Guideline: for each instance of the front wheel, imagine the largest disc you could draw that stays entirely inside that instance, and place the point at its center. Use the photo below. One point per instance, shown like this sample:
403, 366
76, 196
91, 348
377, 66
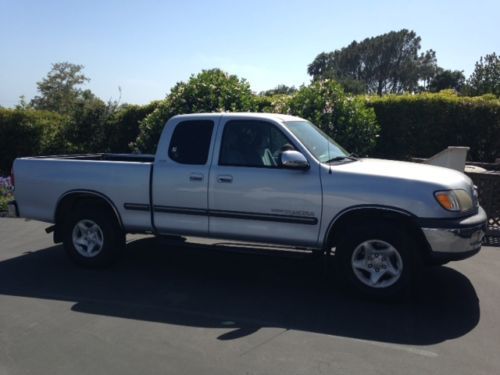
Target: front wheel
376, 260
92, 237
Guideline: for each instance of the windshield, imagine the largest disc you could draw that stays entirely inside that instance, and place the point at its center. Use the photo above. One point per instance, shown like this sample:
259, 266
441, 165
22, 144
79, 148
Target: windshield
318, 143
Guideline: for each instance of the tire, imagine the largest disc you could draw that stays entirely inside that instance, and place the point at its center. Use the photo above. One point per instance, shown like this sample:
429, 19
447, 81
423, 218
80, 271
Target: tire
376, 260
92, 237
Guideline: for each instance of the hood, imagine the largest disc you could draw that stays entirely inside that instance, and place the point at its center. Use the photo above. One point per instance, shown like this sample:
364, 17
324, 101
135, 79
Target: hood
445, 178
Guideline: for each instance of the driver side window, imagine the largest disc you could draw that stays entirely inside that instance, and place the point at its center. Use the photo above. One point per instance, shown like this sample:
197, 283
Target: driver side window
250, 143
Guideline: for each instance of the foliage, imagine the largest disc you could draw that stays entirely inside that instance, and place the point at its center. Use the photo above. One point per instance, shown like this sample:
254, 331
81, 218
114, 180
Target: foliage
59, 90
209, 91
279, 103
86, 129
447, 79
122, 128
29, 132
279, 90
388, 63
344, 118
422, 125
5, 192
485, 79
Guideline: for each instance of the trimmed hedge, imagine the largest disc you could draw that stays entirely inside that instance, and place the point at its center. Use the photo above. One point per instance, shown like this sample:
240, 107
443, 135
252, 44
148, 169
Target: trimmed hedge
123, 127
393, 127
29, 132
422, 125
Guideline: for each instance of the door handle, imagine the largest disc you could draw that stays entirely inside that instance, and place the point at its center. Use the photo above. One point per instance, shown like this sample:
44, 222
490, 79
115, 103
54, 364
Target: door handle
225, 179
195, 177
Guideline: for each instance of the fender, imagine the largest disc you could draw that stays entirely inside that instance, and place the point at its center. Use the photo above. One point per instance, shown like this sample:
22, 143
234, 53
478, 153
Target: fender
360, 207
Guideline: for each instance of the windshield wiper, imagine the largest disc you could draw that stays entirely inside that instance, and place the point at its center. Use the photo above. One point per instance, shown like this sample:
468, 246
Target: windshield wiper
339, 158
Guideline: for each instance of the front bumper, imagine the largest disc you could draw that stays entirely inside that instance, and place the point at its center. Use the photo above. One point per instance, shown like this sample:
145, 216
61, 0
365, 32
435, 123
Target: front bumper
455, 239
12, 209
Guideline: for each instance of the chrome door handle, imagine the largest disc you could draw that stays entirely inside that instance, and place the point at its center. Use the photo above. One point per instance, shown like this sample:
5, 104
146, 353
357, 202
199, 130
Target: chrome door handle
195, 177
225, 179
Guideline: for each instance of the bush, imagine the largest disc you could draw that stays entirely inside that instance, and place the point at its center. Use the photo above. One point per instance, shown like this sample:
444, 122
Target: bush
5, 192
422, 125
346, 119
85, 131
123, 126
209, 91
26, 132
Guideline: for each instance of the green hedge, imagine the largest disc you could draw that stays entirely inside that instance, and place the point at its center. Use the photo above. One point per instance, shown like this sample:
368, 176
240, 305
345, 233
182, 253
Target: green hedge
29, 132
394, 127
123, 127
422, 125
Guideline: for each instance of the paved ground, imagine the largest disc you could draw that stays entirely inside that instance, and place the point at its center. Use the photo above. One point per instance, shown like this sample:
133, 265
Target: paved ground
180, 309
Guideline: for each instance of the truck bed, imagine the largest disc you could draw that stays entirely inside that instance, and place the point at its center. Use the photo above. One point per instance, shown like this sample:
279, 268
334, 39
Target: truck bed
42, 181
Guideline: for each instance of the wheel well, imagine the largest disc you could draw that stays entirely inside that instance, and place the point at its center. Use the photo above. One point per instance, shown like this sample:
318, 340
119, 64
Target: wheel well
342, 224
72, 200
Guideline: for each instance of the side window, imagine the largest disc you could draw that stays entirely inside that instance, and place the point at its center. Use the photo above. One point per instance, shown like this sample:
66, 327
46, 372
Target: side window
190, 142
249, 143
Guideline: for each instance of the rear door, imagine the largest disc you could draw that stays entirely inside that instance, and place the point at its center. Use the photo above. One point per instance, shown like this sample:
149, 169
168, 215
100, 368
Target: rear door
252, 197
180, 177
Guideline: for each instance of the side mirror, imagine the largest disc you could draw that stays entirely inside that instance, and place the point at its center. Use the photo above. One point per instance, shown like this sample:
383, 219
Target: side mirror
294, 160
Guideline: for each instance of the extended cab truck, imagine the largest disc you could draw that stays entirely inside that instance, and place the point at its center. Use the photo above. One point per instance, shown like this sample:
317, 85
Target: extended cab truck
266, 178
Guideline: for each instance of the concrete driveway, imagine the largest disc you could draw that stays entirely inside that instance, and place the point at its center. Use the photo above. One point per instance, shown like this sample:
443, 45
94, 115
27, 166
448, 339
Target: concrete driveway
182, 308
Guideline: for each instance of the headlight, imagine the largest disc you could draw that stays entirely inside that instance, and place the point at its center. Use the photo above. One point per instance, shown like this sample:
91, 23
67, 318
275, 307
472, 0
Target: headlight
454, 200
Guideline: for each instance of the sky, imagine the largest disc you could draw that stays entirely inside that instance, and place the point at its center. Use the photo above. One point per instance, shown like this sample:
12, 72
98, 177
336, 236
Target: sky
144, 47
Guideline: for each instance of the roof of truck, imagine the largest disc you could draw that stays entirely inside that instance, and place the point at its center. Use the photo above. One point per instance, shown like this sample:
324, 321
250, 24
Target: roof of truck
273, 116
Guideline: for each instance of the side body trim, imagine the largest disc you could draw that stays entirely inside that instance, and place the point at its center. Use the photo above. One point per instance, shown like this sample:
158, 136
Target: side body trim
306, 220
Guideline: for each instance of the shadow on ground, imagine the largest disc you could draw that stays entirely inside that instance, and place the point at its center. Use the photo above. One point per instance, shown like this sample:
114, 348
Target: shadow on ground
204, 286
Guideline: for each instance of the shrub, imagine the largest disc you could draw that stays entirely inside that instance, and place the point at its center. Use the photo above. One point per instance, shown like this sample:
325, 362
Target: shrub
5, 192
209, 91
422, 125
85, 131
346, 119
26, 132
123, 126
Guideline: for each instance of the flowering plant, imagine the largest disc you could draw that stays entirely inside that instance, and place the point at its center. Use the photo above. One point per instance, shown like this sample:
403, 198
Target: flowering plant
6, 188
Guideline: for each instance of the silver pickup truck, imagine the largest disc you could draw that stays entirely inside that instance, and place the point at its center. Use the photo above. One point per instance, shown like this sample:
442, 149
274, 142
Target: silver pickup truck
266, 178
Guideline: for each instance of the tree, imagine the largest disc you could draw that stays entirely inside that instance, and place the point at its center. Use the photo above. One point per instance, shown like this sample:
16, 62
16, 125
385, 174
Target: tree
60, 89
279, 90
485, 79
388, 63
86, 130
209, 91
447, 79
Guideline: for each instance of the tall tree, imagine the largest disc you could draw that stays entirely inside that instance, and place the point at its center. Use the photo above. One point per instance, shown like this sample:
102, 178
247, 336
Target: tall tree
388, 63
60, 89
447, 79
485, 79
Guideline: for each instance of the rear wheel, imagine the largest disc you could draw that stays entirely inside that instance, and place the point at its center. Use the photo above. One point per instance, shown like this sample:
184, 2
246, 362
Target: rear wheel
376, 260
93, 237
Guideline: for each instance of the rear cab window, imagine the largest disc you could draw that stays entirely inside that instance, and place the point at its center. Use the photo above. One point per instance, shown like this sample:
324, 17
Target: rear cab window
190, 142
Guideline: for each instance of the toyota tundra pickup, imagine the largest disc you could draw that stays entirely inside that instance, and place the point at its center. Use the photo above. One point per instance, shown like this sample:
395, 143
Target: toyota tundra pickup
266, 178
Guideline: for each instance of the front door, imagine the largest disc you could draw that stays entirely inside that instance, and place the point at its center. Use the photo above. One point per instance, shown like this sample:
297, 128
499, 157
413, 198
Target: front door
252, 197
